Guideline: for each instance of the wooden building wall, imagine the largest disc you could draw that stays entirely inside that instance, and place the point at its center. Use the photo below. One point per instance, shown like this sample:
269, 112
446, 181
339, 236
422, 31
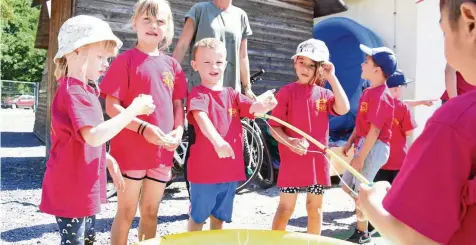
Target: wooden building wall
278, 27
39, 128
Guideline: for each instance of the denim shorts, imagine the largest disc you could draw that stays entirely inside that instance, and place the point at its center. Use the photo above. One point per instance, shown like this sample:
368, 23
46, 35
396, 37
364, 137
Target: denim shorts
376, 158
212, 199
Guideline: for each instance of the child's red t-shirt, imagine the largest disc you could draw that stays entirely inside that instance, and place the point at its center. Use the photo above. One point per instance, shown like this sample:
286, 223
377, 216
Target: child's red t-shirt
461, 87
435, 191
307, 108
402, 122
375, 107
224, 108
132, 73
74, 183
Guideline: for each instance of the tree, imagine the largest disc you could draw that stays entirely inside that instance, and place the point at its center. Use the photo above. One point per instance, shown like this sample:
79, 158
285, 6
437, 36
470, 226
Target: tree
20, 60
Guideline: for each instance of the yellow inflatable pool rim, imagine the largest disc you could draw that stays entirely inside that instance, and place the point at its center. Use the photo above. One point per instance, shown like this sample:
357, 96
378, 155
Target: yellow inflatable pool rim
243, 237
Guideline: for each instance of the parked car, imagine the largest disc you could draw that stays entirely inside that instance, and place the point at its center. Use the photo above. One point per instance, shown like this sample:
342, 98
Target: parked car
22, 101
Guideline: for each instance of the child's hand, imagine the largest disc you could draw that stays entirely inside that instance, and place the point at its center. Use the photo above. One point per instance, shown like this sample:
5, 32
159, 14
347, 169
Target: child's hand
371, 196
299, 146
115, 173
346, 148
357, 164
174, 138
143, 105
328, 70
154, 135
427, 102
265, 102
223, 149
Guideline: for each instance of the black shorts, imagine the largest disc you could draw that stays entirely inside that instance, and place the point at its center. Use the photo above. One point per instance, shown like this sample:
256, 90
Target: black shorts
386, 175
313, 189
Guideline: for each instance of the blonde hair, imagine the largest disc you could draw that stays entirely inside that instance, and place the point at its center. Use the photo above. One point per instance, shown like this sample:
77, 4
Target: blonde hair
151, 8
61, 69
211, 43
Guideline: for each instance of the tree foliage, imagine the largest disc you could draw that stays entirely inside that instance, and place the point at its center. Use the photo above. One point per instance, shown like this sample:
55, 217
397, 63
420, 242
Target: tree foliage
20, 60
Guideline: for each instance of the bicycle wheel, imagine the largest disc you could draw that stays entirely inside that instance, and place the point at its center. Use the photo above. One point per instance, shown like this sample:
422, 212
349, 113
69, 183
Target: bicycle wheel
253, 154
110, 188
179, 158
266, 176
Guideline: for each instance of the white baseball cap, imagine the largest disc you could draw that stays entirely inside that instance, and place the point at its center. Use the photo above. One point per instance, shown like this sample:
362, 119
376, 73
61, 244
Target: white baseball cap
313, 49
82, 30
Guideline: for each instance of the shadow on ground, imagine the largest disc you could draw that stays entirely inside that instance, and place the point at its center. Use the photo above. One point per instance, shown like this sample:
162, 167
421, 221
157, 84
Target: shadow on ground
19, 139
102, 225
330, 219
22, 173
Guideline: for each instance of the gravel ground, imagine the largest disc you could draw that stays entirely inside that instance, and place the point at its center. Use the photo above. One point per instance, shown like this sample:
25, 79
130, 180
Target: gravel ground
22, 158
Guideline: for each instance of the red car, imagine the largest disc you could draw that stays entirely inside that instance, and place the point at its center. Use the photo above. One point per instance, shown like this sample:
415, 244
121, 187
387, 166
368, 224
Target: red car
22, 101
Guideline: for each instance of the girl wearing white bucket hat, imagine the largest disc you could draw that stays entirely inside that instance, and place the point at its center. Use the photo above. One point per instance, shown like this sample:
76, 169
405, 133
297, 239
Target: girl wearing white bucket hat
74, 181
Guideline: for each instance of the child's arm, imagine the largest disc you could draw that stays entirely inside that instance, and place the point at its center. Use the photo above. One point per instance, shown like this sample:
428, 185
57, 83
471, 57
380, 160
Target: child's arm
415, 103
349, 143
222, 147
152, 133
341, 105
177, 133
450, 81
372, 136
100, 134
115, 173
390, 227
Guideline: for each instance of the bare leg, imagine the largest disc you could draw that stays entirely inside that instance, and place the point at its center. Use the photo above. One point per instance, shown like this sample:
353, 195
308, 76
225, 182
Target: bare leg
287, 202
152, 193
126, 211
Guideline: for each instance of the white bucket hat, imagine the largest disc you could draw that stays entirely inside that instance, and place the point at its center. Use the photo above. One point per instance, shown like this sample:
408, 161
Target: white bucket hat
313, 49
82, 30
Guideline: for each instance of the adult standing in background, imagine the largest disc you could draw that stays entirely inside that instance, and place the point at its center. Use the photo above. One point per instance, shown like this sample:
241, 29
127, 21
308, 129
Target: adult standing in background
222, 20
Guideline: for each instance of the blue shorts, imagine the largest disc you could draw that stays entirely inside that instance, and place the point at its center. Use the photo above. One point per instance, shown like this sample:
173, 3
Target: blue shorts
212, 199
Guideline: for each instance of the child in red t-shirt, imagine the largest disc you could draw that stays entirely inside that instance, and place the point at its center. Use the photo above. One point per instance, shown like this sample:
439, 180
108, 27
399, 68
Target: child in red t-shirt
145, 149
216, 160
74, 184
307, 105
372, 131
402, 126
433, 199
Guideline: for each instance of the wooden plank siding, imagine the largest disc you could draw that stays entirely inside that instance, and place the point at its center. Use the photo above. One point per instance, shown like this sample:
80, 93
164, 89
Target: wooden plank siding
39, 128
278, 28
61, 10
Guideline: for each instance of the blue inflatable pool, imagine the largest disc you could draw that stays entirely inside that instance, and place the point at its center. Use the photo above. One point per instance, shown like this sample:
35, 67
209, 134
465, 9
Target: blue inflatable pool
343, 36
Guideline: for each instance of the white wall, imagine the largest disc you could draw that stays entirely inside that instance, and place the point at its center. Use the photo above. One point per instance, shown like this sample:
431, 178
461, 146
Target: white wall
430, 59
413, 33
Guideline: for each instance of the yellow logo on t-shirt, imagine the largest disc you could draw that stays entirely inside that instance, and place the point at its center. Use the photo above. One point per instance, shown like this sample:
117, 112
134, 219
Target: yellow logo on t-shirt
168, 79
233, 112
364, 107
321, 105
395, 122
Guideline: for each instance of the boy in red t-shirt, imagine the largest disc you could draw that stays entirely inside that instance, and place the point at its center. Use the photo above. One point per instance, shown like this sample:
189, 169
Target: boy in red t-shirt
216, 160
433, 199
372, 131
402, 126
307, 105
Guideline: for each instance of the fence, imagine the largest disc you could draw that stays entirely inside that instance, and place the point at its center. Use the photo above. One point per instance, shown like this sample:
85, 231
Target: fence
19, 94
